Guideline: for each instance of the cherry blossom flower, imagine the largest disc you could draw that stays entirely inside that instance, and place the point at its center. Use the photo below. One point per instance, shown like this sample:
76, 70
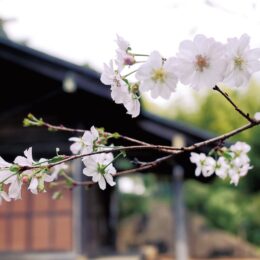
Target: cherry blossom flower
157, 76
122, 43
205, 164
100, 168
15, 187
132, 105
5, 172
112, 77
57, 169
222, 167
200, 63
242, 61
86, 143
123, 57
120, 92
240, 148
26, 160
238, 169
36, 177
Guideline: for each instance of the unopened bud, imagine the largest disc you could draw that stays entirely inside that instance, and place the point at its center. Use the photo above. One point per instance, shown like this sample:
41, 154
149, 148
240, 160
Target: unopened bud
25, 179
129, 60
135, 88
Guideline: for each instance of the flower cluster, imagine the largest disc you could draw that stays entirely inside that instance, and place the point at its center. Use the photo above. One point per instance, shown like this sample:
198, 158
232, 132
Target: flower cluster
24, 171
232, 162
98, 166
203, 62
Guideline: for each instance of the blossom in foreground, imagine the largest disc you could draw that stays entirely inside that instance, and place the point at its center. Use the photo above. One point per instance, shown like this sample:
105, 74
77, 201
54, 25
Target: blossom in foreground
26, 160
205, 164
112, 77
121, 93
157, 76
123, 57
57, 169
200, 63
233, 163
132, 105
222, 168
242, 61
100, 168
36, 177
8, 177
85, 144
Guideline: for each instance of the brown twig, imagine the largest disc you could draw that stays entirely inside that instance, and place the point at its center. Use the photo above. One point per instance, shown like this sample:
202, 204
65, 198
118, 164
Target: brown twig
145, 166
76, 130
242, 113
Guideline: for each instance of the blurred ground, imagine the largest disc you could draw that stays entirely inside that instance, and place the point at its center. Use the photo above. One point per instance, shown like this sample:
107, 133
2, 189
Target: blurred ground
157, 230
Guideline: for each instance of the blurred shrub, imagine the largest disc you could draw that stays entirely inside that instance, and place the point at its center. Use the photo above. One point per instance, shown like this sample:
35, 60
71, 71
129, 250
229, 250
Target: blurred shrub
226, 208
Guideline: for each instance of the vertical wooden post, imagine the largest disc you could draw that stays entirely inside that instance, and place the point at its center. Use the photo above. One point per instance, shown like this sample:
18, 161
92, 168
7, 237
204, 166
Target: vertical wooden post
181, 245
79, 212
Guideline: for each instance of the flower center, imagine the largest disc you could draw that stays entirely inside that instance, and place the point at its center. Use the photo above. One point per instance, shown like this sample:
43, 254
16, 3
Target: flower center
101, 168
239, 62
159, 75
201, 63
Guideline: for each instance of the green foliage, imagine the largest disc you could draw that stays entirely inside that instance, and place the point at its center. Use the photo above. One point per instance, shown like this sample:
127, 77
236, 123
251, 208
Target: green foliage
215, 114
226, 208
131, 204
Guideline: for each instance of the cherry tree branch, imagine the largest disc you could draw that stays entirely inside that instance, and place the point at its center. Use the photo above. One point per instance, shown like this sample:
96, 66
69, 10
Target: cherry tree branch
242, 113
76, 130
144, 166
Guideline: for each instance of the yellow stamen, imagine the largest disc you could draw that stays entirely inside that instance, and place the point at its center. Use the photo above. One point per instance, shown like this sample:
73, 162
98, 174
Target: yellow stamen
159, 75
239, 62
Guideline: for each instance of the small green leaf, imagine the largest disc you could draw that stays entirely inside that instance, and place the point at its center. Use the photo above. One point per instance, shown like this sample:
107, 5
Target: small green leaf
227, 155
14, 168
69, 183
116, 135
56, 159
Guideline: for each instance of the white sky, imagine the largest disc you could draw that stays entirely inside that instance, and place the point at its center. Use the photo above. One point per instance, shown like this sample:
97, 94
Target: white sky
84, 30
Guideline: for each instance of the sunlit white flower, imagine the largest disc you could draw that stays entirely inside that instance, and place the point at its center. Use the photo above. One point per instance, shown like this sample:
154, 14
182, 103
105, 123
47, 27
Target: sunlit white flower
15, 187
112, 77
100, 168
26, 160
109, 75
132, 105
238, 169
119, 93
57, 169
122, 43
205, 164
5, 172
242, 61
157, 76
86, 143
222, 167
240, 148
123, 57
200, 63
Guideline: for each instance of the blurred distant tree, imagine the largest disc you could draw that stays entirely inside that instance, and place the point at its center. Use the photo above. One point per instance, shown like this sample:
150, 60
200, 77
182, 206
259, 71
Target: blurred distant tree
209, 116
